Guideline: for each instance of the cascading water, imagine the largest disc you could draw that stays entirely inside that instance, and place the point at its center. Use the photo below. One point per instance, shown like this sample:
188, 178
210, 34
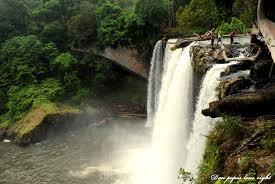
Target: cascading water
202, 124
154, 81
173, 116
179, 135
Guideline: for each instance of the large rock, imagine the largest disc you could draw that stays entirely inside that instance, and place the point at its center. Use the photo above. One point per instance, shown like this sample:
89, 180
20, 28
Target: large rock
34, 126
252, 104
233, 86
244, 65
203, 57
261, 70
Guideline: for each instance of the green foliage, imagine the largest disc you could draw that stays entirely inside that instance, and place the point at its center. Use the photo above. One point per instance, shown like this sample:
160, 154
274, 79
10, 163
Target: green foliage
65, 62
235, 25
104, 76
24, 60
117, 26
246, 10
229, 128
199, 15
13, 19
268, 141
152, 12
82, 28
22, 99
212, 162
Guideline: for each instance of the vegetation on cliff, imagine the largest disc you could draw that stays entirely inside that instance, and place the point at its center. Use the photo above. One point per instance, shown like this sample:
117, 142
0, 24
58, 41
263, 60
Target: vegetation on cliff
238, 148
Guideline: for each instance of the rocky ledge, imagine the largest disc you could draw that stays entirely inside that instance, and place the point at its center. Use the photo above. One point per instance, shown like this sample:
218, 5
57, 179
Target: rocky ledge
35, 125
204, 57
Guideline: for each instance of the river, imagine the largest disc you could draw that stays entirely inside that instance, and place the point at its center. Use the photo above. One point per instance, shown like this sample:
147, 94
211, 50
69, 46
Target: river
96, 154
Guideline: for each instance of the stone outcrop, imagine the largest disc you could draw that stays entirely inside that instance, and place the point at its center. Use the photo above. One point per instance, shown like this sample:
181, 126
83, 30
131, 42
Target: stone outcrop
203, 57
261, 70
35, 125
244, 65
233, 86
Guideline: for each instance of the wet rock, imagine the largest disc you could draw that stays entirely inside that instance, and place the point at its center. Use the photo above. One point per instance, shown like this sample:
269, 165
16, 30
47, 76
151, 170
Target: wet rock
233, 86
261, 70
244, 65
252, 104
204, 57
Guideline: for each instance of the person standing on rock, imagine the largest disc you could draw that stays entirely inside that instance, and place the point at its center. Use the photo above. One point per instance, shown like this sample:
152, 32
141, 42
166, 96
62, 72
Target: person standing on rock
219, 37
232, 35
212, 38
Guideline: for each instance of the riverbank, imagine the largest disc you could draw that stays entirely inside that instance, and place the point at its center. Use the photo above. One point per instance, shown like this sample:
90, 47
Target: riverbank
45, 120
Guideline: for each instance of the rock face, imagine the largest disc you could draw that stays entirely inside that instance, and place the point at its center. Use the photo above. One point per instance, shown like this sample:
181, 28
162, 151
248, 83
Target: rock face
203, 57
35, 125
244, 65
251, 104
233, 86
261, 70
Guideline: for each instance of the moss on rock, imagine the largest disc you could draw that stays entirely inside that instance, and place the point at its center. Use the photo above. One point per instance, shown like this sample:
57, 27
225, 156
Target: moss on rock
33, 127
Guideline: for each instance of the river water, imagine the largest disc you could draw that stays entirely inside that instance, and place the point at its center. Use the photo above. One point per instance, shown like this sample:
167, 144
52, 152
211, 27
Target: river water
97, 154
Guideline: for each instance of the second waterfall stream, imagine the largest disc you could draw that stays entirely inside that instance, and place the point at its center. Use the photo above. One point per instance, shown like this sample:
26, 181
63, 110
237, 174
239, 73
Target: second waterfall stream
178, 129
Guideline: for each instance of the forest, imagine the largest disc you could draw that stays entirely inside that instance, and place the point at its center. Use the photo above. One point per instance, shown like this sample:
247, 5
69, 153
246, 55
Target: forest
38, 61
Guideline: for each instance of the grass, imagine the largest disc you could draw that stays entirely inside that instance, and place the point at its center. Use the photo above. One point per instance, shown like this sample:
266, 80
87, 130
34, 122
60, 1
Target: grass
212, 163
219, 142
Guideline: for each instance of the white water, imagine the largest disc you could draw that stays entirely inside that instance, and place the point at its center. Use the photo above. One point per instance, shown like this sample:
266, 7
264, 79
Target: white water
202, 124
154, 82
179, 136
173, 117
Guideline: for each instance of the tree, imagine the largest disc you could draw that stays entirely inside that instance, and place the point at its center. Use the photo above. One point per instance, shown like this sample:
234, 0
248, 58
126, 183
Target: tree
225, 9
198, 16
82, 28
24, 60
65, 65
152, 12
246, 10
13, 19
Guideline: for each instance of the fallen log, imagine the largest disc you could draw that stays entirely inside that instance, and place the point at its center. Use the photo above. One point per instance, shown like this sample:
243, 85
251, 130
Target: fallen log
187, 41
260, 102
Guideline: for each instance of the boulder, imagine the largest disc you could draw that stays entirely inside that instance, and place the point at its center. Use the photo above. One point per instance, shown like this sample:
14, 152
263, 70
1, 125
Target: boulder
261, 70
244, 65
233, 86
205, 56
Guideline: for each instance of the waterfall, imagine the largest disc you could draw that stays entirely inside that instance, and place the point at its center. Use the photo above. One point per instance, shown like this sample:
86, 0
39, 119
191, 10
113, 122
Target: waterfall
202, 124
179, 134
173, 116
154, 82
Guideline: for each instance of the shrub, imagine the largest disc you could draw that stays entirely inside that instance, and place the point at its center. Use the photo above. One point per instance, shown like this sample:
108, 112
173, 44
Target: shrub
235, 25
22, 99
